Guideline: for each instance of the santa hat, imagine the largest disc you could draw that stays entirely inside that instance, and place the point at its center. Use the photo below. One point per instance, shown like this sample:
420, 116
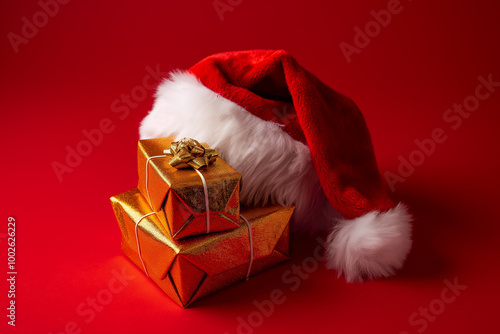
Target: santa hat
295, 141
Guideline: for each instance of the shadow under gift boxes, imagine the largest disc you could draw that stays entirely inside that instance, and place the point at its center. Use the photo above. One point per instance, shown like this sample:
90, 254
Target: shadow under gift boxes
178, 195
192, 268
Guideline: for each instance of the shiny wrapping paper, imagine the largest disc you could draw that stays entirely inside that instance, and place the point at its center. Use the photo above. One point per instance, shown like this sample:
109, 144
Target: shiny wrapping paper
195, 267
177, 195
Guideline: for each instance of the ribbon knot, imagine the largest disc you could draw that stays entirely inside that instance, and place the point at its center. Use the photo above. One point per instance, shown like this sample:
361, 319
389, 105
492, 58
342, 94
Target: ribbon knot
189, 152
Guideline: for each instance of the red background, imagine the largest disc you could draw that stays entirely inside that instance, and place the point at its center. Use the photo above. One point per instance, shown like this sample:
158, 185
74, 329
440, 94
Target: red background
65, 79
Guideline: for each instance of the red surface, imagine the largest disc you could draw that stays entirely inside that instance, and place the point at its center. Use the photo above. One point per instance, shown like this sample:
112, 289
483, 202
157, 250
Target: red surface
67, 78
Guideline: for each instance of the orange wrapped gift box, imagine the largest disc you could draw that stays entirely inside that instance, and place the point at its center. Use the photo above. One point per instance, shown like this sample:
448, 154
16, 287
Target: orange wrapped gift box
179, 196
195, 267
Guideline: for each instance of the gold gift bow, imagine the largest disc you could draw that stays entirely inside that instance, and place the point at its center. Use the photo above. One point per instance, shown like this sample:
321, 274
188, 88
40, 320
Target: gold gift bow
189, 152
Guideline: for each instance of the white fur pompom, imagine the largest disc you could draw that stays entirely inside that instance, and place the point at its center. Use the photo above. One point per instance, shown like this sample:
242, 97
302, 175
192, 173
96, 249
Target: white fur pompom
374, 245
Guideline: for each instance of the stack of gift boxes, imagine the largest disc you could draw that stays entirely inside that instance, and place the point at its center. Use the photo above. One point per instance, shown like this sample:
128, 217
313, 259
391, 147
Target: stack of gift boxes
183, 225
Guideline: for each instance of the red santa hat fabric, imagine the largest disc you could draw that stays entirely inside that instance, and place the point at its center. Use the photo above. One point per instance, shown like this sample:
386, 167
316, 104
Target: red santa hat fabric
328, 122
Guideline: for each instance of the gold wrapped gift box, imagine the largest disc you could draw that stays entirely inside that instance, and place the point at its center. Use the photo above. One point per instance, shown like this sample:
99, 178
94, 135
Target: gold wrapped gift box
192, 268
178, 195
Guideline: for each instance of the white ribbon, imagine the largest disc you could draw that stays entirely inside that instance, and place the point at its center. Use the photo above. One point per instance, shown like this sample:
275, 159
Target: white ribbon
205, 191
137, 240
147, 176
251, 246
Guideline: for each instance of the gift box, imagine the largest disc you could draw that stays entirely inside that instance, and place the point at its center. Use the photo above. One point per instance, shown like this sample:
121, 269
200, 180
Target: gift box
195, 267
180, 197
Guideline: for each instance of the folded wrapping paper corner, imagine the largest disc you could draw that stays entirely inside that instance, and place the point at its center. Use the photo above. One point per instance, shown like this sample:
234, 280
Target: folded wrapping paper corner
192, 268
178, 195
